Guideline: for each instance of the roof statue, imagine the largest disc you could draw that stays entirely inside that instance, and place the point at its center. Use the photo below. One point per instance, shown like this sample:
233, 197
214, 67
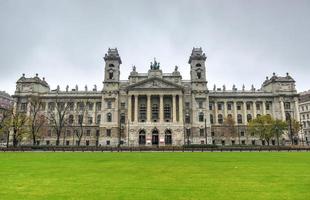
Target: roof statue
155, 65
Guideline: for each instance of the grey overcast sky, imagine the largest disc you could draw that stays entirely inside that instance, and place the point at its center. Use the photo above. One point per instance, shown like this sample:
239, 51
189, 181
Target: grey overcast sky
64, 41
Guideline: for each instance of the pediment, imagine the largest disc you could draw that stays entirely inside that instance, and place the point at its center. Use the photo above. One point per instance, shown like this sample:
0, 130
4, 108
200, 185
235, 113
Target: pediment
154, 83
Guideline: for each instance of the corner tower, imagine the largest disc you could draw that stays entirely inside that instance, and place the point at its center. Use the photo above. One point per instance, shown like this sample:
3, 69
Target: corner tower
198, 69
112, 66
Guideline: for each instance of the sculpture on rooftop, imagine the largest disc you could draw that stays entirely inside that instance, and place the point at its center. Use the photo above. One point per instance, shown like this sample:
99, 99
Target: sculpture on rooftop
155, 65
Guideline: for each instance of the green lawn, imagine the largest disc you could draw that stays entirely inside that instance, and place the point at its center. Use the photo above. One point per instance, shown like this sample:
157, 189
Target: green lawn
155, 176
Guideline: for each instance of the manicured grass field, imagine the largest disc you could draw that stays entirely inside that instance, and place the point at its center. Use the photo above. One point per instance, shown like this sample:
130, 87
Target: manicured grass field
155, 176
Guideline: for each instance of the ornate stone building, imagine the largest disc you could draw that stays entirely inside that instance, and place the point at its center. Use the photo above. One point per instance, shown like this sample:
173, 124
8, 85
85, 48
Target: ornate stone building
304, 109
157, 108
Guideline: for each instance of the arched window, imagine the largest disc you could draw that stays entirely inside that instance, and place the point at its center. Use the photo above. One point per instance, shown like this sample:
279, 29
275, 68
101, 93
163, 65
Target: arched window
249, 117
220, 119
168, 137
110, 75
98, 119
142, 137
239, 118
287, 116
229, 116
201, 117
199, 75
154, 111
167, 112
109, 117
211, 119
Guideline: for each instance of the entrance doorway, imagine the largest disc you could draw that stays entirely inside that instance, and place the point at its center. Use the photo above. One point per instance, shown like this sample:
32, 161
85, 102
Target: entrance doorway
142, 137
155, 137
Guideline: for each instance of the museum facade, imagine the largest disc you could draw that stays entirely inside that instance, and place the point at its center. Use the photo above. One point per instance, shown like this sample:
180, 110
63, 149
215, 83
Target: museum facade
157, 108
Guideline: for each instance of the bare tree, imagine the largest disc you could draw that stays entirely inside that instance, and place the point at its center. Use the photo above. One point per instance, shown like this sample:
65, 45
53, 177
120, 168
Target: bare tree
5, 117
82, 114
57, 115
18, 123
37, 119
229, 127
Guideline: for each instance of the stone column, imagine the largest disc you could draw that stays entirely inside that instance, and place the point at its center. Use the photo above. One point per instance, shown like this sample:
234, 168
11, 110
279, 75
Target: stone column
129, 106
215, 112
174, 109
161, 108
254, 110
235, 112
282, 110
245, 113
149, 108
225, 109
136, 108
297, 115
264, 107
181, 108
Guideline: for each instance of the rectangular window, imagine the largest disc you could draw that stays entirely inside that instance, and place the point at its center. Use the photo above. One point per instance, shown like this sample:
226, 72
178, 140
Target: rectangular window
257, 106
87, 142
88, 133
287, 105
229, 106
200, 103
23, 107
219, 106
108, 142
109, 104
47, 142
267, 106
248, 106
67, 142
202, 132
90, 120
210, 106
90, 106
108, 132
123, 105
98, 106
242, 133
243, 142
238, 107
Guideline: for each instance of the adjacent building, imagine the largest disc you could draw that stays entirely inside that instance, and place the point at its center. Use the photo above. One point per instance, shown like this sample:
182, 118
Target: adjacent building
304, 109
159, 108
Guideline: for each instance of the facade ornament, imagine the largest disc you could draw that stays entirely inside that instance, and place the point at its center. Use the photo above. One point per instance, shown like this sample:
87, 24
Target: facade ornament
155, 65
252, 88
58, 88
176, 68
95, 88
134, 68
234, 87
243, 87
214, 87
76, 88
67, 88
86, 89
224, 88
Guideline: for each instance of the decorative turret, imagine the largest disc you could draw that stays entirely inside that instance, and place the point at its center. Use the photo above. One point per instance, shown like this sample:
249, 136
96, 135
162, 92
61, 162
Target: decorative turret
112, 66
